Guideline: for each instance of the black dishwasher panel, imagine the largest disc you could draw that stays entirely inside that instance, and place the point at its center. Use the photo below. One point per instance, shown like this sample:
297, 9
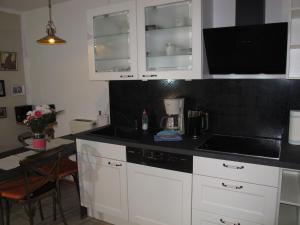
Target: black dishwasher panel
159, 159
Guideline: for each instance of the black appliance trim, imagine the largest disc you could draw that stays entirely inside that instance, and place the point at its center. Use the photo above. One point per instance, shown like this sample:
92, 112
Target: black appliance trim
159, 159
249, 146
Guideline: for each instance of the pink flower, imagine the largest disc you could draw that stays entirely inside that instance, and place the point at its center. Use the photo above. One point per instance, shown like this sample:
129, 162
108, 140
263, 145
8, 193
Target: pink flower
38, 114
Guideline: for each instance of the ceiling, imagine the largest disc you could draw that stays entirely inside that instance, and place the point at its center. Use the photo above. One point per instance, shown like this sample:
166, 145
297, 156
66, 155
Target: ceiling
25, 5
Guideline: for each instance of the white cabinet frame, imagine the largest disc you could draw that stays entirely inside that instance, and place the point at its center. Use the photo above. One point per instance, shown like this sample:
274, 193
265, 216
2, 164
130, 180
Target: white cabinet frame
196, 72
126, 75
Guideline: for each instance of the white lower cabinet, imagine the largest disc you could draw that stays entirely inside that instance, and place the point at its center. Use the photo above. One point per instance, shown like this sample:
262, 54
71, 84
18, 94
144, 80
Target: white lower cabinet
158, 196
205, 218
244, 201
124, 193
103, 186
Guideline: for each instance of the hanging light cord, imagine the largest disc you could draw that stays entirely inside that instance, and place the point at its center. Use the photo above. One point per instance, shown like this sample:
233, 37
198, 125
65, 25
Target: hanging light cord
51, 29
50, 10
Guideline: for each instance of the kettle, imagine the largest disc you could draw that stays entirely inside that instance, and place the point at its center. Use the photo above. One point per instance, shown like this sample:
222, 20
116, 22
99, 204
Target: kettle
198, 123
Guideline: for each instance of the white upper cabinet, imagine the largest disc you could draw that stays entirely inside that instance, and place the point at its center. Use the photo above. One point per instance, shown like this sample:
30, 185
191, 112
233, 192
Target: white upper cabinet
112, 42
146, 39
169, 39
294, 69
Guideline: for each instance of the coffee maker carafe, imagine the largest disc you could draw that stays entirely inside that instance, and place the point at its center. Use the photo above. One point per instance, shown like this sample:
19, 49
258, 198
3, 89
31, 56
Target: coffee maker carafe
174, 120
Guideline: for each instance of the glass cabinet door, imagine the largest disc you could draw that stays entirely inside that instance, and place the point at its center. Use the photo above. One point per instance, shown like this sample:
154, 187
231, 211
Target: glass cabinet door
168, 38
113, 42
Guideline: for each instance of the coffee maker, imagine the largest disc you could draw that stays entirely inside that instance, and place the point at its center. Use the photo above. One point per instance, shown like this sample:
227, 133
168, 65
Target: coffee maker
174, 120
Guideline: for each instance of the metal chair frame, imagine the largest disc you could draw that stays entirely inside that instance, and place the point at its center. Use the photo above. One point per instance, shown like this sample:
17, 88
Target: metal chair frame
31, 168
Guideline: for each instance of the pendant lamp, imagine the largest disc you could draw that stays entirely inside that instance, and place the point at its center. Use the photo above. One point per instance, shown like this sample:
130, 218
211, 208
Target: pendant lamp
51, 38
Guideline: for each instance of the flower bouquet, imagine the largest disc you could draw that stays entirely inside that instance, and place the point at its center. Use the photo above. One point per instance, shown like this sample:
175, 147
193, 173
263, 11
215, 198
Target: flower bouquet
39, 120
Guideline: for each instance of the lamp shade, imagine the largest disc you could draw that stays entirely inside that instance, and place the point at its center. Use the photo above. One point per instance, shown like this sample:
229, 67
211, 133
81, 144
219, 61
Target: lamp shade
51, 40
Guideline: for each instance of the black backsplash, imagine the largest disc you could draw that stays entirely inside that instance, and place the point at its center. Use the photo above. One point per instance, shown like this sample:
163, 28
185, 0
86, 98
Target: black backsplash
236, 107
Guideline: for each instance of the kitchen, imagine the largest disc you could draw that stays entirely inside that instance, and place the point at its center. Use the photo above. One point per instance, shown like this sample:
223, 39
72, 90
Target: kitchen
245, 107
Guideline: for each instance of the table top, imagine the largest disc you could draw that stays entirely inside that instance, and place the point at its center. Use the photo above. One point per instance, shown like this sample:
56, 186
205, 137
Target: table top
69, 149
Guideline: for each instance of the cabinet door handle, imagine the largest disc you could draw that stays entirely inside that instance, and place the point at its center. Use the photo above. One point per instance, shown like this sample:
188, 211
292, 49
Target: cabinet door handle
126, 76
233, 167
114, 164
232, 186
228, 223
152, 75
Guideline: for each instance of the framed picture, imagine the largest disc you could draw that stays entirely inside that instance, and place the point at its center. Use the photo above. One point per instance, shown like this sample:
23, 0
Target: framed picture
2, 88
8, 61
17, 90
3, 112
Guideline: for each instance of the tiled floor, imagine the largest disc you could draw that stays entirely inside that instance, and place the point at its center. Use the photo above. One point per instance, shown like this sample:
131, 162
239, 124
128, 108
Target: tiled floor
70, 206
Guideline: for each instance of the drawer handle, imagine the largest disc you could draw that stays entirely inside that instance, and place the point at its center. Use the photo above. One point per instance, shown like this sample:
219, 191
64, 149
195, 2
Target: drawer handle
126, 76
232, 186
228, 223
233, 167
153, 75
114, 164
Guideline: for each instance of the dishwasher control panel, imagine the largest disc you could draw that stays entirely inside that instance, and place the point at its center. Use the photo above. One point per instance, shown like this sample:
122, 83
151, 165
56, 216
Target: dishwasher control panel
159, 159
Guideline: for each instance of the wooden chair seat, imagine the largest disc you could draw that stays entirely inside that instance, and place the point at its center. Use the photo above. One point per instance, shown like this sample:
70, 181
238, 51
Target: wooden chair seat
15, 189
67, 168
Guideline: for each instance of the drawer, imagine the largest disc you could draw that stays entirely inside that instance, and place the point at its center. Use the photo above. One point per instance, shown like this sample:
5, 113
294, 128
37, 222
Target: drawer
100, 149
244, 201
245, 172
204, 218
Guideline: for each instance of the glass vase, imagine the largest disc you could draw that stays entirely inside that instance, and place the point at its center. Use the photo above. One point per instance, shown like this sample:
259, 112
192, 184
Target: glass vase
39, 141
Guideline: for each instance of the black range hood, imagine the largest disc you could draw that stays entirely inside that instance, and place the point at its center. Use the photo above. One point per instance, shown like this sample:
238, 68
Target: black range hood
251, 47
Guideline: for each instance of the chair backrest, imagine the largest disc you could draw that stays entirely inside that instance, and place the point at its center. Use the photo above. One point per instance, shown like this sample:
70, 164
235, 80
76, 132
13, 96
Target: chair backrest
22, 137
43, 166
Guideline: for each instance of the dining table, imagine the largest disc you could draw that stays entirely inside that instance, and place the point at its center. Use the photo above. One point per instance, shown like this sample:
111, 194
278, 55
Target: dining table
9, 160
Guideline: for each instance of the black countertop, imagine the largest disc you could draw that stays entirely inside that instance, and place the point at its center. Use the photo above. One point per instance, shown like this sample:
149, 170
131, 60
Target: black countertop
289, 155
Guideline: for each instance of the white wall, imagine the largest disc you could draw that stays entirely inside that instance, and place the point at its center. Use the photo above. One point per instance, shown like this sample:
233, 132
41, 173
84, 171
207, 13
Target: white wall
10, 40
277, 11
59, 74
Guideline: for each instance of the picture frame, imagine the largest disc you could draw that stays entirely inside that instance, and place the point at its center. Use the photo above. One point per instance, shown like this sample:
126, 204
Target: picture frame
17, 90
8, 61
3, 113
2, 88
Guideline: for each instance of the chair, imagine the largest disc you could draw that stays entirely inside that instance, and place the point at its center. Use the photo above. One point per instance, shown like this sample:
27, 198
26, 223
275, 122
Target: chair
34, 185
1, 213
67, 168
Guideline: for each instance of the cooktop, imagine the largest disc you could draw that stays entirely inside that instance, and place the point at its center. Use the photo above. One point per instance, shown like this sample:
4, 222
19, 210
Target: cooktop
259, 147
